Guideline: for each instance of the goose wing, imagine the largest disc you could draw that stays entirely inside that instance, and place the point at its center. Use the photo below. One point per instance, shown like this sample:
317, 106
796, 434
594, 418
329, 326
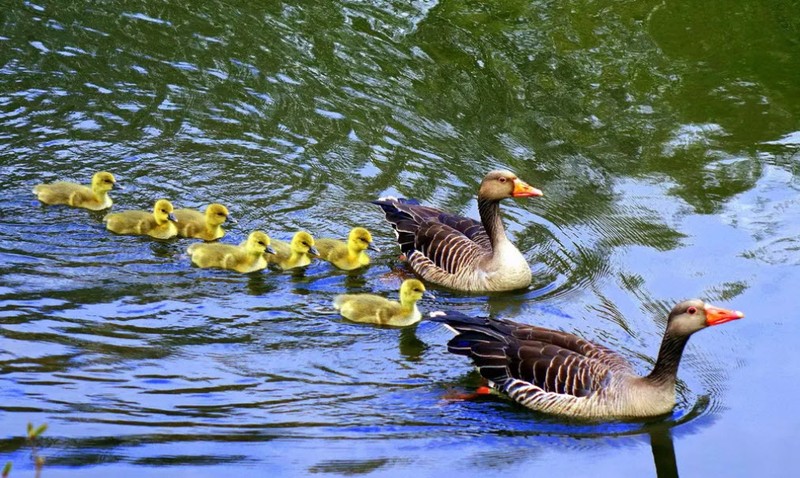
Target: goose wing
439, 248
514, 355
407, 216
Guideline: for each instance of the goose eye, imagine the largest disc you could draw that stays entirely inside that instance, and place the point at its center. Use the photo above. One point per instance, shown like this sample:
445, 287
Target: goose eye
691, 310
502, 180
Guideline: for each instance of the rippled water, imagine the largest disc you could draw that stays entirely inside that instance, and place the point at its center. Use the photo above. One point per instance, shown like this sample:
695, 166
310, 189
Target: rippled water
665, 138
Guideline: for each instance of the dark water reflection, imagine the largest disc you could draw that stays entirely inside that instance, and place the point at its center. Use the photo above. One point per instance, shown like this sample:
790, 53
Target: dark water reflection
664, 136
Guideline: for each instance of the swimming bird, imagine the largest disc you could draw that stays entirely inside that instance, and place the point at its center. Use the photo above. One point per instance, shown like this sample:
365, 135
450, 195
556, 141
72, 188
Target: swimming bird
560, 373
159, 224
95, 198
458, 252
246, 257
297, 253
374, 309
206, 226
347, 255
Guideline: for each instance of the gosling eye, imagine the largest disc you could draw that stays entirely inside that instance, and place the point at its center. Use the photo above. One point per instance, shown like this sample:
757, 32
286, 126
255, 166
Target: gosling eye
164, 211
691, 310
220, 214
107, 180
261, 243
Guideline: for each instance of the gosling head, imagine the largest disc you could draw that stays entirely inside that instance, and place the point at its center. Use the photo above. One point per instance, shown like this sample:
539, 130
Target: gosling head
501, 184
412, 290
258, 242
103, 182
360, 239
163, 212
690, 316
216, 214
303, 243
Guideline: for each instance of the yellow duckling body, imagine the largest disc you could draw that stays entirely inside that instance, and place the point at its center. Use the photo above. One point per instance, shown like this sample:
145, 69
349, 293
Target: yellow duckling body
347, 255
246, 257
95, 198
374, 309
202, 225
159, 224
298, 253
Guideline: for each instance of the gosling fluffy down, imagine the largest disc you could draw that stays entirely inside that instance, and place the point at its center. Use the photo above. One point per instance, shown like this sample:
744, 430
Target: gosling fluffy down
159, 224
246, 257
202, 225
95, 197
347, 255
298, 253
374, 309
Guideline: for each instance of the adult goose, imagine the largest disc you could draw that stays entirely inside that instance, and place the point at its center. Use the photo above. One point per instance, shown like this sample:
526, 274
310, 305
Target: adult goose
458, 252
560, 373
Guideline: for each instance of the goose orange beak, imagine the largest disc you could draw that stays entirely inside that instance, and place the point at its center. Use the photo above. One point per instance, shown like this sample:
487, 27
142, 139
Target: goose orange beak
524, 190
718, 315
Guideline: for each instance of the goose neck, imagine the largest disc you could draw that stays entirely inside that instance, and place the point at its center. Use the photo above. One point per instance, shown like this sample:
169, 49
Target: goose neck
665, 370
489, 211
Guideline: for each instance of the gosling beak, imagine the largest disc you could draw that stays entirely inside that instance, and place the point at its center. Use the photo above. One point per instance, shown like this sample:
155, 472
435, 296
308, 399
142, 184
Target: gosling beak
172, 217
269, 250
718, 315
524, 190
313, 251
117, 186
231, 220
373, 247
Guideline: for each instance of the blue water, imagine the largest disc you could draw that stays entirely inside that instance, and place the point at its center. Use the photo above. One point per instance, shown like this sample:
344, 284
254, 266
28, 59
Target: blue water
665, 139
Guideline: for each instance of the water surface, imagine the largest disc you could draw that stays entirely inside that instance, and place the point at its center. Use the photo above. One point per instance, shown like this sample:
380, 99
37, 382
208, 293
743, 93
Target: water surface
664, 136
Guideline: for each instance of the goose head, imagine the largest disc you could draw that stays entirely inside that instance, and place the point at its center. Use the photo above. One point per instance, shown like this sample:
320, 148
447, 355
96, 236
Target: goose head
162, 211
258, 242
360, 239
412, 290
303, 243
690, 316
216, 214
103, 182
501, 184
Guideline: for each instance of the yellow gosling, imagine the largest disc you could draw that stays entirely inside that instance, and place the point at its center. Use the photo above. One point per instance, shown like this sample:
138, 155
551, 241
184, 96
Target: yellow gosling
374, 309
246, 257
206, 226
159, 224
347, 255
298, 253
95, 198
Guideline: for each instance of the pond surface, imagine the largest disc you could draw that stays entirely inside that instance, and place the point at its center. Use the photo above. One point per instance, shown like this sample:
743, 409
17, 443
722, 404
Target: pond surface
666, 139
